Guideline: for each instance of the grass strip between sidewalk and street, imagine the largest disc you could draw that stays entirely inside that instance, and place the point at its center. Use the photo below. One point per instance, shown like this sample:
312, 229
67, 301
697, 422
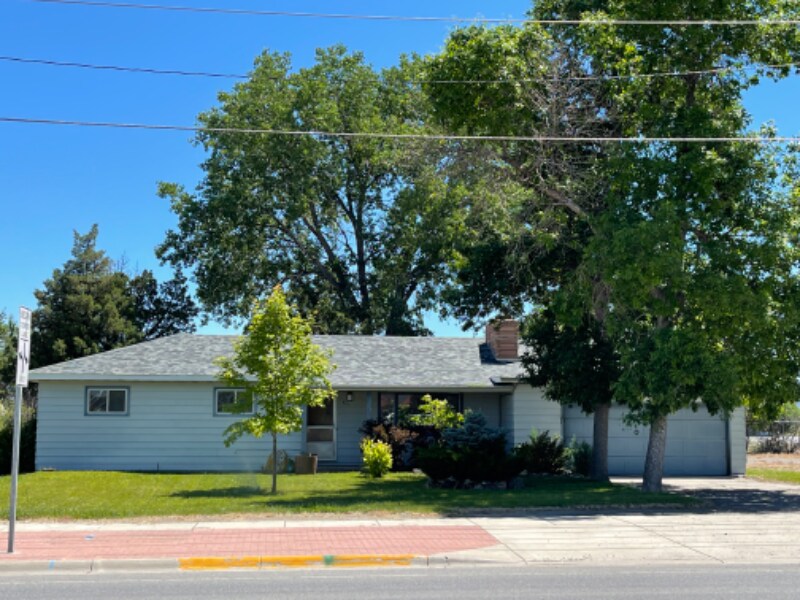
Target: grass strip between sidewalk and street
116, 495
779, 475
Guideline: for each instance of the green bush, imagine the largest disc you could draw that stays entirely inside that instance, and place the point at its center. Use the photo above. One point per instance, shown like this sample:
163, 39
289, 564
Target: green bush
473, 451
579, 458
543, 454
377, 457
401, 440
27, 442
438, 414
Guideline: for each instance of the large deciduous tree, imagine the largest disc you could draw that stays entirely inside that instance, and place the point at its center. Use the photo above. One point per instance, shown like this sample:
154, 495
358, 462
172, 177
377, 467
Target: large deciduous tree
684, 254
697, 246
357, 229
280, 370
90, 306
533, 206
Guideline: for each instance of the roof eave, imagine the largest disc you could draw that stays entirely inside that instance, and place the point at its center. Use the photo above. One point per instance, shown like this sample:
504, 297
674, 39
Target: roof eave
116, 377
371, 387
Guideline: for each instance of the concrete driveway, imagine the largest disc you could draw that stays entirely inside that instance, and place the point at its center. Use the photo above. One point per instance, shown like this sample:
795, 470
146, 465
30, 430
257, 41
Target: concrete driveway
739, 521
733, 494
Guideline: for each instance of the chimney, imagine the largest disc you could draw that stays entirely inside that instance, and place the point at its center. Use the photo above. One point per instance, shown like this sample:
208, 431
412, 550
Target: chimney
502, 336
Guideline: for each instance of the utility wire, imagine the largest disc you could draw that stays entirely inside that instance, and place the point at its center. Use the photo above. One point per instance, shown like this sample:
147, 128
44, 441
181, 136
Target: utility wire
315, 15
406, 136
80, 65
602, 77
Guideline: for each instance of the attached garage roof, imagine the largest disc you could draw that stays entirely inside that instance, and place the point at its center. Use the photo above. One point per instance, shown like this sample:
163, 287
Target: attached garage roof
363, 362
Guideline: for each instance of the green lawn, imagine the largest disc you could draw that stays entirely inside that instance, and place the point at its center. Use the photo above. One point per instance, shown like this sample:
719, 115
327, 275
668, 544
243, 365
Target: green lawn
781, 475
114, 495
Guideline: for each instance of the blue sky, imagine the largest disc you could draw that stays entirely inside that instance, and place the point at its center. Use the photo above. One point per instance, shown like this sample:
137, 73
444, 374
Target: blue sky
56, 179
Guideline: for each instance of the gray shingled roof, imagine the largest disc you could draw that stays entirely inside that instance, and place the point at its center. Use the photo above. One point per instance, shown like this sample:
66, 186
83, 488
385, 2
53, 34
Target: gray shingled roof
362, 362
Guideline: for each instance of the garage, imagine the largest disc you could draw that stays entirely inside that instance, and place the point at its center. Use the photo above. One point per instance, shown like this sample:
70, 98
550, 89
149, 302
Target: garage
697, 442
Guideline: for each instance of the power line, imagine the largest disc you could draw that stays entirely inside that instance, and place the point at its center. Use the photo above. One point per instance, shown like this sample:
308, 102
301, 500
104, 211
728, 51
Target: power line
616, 76
405, 136
150, 71
315, 15
599, 77
278, 13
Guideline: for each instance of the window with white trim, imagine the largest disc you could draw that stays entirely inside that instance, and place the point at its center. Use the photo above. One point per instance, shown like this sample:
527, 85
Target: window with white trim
225, 399
106, 401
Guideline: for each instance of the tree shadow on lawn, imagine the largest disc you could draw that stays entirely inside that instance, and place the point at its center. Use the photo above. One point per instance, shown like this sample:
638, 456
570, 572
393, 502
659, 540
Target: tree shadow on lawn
228, 492
745, 501
578, 498
404, 496
380, 494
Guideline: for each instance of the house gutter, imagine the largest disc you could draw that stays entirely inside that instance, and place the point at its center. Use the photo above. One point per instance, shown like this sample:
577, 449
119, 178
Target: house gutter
344, 386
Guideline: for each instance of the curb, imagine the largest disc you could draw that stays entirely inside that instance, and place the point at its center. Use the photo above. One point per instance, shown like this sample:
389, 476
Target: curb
210, 563
45, 566
296, 561
85, 567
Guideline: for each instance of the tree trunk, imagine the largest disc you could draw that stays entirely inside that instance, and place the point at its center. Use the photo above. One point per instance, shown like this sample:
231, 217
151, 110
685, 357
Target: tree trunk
599, 471
274, 464
654, 462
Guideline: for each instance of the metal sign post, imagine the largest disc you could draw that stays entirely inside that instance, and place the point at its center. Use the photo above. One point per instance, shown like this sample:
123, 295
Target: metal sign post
23, 364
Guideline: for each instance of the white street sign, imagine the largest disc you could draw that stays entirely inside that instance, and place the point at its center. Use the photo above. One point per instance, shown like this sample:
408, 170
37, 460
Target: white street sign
24, 323
23, 361
24, 346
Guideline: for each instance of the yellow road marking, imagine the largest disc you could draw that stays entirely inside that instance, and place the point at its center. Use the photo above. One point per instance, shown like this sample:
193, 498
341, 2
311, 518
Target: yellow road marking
322, 560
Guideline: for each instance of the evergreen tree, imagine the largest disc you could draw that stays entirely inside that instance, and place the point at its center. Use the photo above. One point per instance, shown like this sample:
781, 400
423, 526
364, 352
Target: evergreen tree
88, 306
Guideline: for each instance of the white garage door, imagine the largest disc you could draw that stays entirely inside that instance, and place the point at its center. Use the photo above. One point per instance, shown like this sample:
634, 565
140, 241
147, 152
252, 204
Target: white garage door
696, 442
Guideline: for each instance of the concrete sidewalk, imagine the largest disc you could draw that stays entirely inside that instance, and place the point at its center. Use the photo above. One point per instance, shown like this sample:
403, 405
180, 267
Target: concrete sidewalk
768, 531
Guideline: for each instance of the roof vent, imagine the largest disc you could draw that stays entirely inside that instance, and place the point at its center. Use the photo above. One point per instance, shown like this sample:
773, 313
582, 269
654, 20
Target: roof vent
502, 336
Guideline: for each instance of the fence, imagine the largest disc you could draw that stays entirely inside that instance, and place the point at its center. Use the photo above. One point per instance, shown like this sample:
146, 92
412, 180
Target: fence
779, 437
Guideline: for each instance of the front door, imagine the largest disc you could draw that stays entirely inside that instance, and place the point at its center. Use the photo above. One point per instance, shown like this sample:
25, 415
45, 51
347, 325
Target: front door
321, 430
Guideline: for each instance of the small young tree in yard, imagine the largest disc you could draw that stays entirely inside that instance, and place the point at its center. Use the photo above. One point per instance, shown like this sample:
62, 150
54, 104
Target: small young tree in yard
280, 370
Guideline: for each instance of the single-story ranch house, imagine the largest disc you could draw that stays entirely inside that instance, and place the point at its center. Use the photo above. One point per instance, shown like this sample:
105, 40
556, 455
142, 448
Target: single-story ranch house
158, 406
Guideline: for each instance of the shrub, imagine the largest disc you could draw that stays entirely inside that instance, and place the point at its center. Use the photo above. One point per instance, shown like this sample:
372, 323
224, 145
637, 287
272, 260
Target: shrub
399, 440
377, 457
438, 414
579, 458
543, 454
27, 442
782, 437
404, 442
473, 451
475, 433
778, 443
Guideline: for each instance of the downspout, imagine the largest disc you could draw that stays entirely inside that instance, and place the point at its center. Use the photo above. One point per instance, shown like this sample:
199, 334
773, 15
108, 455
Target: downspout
514, 385
371, 414
728, 453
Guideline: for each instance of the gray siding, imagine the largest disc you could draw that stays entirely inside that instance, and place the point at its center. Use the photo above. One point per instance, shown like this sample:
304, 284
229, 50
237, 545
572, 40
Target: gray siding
507, 414
170, 426
533, 411
737, 440
696, 442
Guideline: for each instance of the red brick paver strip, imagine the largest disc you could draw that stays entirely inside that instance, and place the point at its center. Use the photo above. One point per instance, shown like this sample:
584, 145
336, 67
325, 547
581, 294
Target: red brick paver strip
138, 544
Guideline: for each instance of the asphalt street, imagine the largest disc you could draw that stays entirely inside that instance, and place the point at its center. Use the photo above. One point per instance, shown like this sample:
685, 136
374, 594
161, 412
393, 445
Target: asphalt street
453, 583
